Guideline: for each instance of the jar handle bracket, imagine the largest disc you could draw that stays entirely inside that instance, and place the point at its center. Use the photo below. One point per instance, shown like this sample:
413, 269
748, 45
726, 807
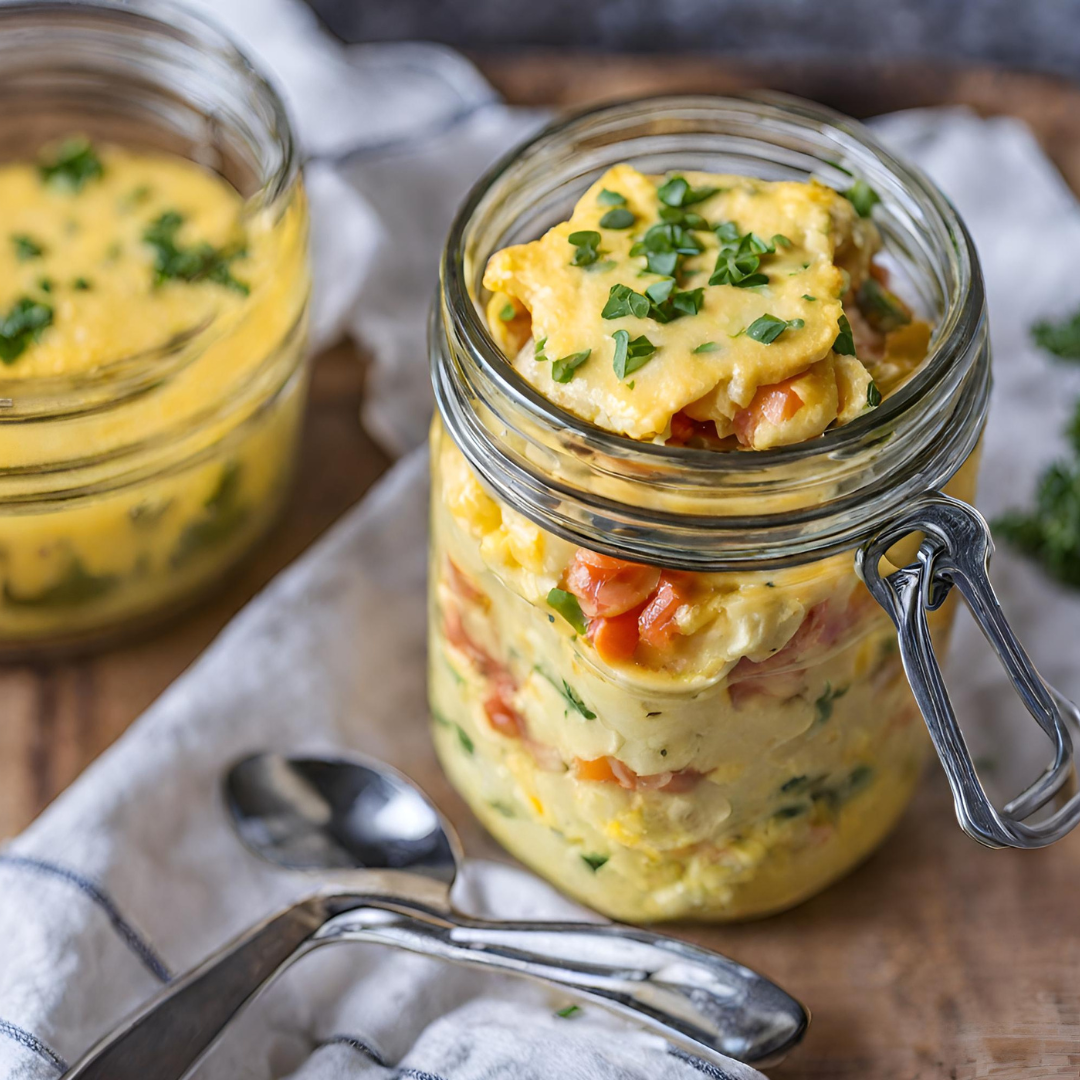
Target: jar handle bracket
955, 553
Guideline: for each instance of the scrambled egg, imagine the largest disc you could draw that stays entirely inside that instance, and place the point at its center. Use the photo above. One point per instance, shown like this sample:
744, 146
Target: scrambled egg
808, 247
151, 336
661, 744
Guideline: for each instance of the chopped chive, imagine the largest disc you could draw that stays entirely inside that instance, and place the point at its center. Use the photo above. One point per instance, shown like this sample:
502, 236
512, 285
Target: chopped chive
568, 1012
807, 296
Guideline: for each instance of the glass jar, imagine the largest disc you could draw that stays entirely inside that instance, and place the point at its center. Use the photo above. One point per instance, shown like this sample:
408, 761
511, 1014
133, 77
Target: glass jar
130, 489
779, 742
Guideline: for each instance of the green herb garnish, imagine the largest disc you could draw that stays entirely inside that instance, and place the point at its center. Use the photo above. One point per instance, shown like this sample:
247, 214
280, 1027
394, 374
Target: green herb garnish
569, 695
508, 312
562, 370
663, 245
678, 192
566, 604
78, 586
630, 354
768, 328
844, 345
72, 166
863, 197
873, 395
21, 326
780, 240
610, 198
619, 218
199, 262
738, 261
594, 862
223, 514
623, 301
707, 346
824, 705
883, 310
26, 248
45, 284
586, 245
807, 296
81, 284
568, 1012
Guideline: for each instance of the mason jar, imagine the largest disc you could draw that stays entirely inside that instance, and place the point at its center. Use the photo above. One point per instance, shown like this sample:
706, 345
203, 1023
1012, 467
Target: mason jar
129, 489
746, 770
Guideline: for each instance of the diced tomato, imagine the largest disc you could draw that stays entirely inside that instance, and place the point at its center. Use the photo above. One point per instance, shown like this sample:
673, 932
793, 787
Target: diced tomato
610, 770
503, 717
656, 623
605, 586
615, 639
463, 586
598, 770
455, 632
775, 403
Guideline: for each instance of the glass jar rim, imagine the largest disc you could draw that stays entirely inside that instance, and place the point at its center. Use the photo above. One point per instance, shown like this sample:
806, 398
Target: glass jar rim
123, 377
471, 374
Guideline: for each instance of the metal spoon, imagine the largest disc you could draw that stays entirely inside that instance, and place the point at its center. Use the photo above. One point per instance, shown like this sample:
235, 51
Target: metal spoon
332, 814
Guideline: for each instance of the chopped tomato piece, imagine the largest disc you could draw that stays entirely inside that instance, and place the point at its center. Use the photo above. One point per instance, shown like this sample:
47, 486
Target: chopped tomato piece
656, 624
503, 717
615, 639
463, 586
598, 770
609, 770
605, 586
775, 403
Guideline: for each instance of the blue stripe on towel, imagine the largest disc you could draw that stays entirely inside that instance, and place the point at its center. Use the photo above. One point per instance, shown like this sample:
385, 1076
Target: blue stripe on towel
131, 937
703, 1067
33, 1043
357, 1044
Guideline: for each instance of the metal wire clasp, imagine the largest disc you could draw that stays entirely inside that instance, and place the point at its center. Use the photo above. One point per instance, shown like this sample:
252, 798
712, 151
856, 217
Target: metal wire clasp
956, 552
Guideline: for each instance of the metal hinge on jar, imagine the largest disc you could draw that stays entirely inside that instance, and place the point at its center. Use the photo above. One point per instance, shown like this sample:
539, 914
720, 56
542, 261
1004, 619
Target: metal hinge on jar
956, 552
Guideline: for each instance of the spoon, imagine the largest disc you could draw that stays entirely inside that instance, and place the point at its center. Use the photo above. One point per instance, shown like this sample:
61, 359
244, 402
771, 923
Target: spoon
334, 814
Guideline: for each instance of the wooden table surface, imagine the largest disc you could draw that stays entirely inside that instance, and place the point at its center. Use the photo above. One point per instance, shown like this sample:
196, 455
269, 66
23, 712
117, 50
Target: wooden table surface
937, 958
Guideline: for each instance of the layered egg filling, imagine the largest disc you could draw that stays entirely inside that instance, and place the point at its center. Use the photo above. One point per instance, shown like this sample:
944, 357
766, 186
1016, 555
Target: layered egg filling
666, 744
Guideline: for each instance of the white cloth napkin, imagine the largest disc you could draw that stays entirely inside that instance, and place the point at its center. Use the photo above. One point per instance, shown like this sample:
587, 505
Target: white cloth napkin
133, 875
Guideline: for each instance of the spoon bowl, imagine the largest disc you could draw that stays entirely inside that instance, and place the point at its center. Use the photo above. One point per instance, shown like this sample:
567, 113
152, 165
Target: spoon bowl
333, 814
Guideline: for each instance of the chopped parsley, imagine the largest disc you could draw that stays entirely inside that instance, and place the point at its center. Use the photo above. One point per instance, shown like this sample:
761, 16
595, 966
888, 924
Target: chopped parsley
823, 707
562, 370
863, 197
26, 248
1061, 338
81, 284
673, 215
566, 604
569, 1012
77, 586
623, 301
508, 312
21, 326
72, 166
807, 296
45, 284
594, 862
739, 260
631, 354
619, 218
199, 262
873, 395
707, 346
569, 695
883, 310
610, 198
664, 245
1050, 532
586, 245
677, 192
768, 328
844, 345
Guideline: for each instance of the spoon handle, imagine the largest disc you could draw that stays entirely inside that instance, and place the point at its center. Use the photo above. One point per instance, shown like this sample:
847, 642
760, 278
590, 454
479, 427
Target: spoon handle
702, 1001
165, 1038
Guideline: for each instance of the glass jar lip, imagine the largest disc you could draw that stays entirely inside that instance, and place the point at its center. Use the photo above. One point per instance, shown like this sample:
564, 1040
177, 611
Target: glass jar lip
953, 332
55, 396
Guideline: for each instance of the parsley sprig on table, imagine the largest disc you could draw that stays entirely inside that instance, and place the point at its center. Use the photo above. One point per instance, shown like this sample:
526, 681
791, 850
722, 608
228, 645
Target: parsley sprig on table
198, 262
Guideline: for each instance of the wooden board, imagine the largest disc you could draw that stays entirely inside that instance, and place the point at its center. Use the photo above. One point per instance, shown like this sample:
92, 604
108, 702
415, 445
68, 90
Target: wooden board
937, 958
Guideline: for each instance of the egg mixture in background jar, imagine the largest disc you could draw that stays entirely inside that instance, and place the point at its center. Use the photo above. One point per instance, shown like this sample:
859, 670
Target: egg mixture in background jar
154, 286
656, 673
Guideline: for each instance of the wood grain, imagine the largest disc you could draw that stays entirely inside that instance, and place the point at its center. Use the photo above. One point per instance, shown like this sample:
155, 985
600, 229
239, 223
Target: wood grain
937, 958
